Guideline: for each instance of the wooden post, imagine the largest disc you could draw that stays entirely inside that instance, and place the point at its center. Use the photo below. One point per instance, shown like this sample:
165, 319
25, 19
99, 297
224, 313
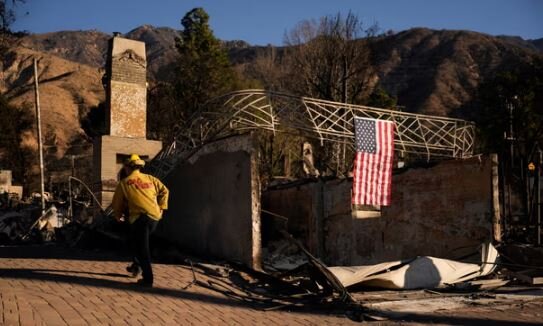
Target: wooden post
496, 218
40, 144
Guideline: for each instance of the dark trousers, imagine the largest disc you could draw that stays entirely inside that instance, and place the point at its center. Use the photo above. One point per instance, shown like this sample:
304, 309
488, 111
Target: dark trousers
140, 231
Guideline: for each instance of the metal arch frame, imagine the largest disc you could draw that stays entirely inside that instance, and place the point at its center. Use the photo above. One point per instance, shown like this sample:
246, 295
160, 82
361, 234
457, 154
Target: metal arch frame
417, 134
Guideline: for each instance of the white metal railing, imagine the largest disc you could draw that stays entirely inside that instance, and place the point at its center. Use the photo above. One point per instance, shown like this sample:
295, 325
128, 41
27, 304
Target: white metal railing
417, 134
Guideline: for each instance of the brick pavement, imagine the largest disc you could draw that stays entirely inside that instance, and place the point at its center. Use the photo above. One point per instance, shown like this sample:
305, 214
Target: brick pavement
49, 285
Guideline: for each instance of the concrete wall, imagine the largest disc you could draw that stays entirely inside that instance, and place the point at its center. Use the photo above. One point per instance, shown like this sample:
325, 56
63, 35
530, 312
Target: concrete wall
214, 206
434, 211
5, 180
6, 185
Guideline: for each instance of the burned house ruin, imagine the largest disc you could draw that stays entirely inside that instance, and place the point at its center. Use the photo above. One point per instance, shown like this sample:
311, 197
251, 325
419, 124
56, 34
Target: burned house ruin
219, 205
219, 208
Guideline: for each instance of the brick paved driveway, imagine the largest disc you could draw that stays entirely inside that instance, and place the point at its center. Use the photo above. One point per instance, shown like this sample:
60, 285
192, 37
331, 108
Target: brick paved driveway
49, 285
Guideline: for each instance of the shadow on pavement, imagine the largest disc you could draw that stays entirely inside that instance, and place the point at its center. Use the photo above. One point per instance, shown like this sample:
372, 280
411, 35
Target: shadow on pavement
60, 272
54, 276
58, 252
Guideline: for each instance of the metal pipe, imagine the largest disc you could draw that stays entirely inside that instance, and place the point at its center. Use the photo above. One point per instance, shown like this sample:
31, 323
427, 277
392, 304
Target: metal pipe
40, 144
71, 207
89, 191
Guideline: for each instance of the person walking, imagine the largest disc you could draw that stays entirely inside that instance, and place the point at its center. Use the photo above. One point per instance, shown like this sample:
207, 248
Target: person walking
145, 197
134, 268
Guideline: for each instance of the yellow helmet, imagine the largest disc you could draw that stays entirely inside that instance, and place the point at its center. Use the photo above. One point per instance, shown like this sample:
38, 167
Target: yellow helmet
134, 160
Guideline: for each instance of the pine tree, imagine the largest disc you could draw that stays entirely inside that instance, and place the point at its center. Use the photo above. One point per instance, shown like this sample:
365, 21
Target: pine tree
203, 69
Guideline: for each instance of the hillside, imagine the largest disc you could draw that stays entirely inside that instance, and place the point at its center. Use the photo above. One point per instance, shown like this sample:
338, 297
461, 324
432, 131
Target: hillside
438, 72
538, 44
86, 47
68, 91
432, 72
90, 47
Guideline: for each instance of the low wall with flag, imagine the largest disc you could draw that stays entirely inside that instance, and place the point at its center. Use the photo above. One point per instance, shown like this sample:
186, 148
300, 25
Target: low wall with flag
214, 205
444, 211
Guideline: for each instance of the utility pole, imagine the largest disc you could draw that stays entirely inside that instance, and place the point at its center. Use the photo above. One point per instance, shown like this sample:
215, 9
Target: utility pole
70, 207
40, 144
509, 137
538, 193
73, 165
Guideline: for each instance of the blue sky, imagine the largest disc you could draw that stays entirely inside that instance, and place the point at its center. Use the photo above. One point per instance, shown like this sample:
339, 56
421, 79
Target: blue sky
265, 22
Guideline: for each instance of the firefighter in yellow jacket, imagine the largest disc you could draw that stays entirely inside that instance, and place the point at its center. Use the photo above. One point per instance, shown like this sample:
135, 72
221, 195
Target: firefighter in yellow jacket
145, 197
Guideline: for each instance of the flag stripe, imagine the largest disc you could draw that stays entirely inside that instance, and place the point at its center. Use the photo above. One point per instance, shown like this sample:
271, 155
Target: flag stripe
372, 172
359, 171
388, 162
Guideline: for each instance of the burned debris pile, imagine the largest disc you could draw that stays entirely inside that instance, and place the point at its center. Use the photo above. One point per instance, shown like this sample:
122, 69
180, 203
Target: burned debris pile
483, 275
22, 221
293, 279
69, 219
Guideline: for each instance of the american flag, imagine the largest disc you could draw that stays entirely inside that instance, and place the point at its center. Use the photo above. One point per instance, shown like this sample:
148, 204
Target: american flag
372, 172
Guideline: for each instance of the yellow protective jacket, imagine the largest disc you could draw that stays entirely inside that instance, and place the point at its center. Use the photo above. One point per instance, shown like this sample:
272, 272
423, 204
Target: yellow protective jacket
141, 194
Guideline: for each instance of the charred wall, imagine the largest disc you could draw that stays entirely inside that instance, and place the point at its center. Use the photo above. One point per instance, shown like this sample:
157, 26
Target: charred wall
435, 211
214, 206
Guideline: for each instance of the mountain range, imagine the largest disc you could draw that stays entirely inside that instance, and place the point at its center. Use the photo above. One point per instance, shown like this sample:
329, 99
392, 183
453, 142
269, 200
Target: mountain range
429, 71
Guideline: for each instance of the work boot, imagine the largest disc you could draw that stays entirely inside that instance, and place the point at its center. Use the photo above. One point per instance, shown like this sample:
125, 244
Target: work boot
133, 269
144, 283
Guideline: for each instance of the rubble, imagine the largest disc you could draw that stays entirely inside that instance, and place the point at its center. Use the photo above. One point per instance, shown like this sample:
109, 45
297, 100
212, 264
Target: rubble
282, 255
314, 286
12, 225
68, 220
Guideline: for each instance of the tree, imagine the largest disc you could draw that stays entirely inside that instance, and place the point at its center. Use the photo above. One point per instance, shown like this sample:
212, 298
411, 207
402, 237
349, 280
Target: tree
14, 121
268, 69
519, 88
7, 17
513, 101
379, 98
329, 60
202, 71
13, 124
